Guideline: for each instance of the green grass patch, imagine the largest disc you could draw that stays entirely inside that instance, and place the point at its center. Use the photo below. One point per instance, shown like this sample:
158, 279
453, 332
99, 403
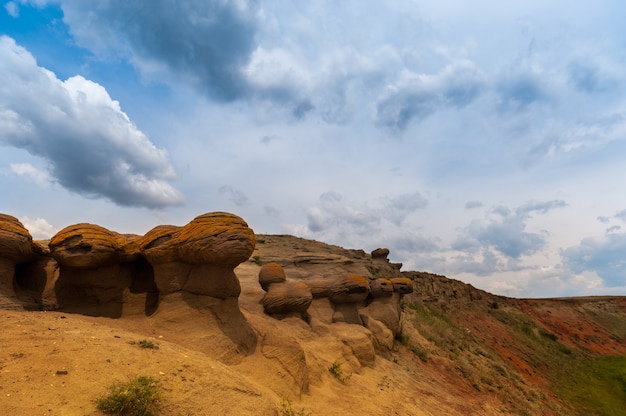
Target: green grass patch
593, 385
138, 397
144, 343
337, 372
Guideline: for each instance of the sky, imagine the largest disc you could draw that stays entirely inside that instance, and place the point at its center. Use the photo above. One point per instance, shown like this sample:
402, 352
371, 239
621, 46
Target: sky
482, 140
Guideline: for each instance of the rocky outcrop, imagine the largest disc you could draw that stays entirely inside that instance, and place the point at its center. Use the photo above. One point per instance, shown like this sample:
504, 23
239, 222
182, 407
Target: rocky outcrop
16, 247
380, 253
283, 297
287, 297
271, 273
381, 288
200, 257
96, 267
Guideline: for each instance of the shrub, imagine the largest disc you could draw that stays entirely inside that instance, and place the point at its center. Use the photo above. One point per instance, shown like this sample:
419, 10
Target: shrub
138, 397
144, 343
337, 372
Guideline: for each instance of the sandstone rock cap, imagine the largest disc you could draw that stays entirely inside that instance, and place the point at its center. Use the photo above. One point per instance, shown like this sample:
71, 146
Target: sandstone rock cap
380, 253
287, 297
16, 243
216, 237
402, 285
89, 246
271, 273
381, 288
349, 288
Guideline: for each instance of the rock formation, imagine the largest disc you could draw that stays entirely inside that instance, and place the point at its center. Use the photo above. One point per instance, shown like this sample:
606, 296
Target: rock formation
16, 246
199, 258
271, 273
96, 266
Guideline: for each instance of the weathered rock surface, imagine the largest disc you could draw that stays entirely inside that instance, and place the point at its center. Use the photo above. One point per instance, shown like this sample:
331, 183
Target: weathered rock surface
200, 257
16, 246
271, 273
88, 246
287, 297
96, 267
381, 288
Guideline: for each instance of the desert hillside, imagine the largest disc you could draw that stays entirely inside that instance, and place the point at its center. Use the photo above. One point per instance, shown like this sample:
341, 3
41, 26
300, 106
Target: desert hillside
454, 349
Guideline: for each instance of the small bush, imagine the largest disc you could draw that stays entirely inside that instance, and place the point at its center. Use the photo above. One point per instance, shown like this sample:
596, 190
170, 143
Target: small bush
257, 260
138, 397
144, 343
337, 372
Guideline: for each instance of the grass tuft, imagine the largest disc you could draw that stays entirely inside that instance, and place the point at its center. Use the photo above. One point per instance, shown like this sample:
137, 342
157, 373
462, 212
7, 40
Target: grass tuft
138, 397
337, 372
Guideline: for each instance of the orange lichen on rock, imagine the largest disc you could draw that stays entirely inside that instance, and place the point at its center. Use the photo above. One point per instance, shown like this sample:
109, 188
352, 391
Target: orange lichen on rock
381, 288
16, 243
89, 246
402, 285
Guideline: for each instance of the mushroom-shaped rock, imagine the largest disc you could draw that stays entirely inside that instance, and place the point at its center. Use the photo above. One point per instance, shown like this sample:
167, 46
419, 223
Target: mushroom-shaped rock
200, 257
159, 249
16, 246
381, 288
216, 237
349, 288
96, 266
282, 298
89, 246
380, 253
271, 273
402, 285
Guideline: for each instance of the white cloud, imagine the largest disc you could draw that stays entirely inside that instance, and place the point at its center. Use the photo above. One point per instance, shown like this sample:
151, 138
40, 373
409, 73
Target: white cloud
39, 228
40, 177
91, 145
12, 9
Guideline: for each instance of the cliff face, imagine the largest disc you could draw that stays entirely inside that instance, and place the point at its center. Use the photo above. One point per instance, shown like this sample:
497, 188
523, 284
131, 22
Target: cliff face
327, 330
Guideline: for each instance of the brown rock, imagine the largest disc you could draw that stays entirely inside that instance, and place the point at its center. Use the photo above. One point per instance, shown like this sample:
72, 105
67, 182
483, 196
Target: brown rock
282, 298
200, 257
271, 273
402, 285
349, 288
96, 267
216, 237
91, 246
381, 288
380, 253
16, 246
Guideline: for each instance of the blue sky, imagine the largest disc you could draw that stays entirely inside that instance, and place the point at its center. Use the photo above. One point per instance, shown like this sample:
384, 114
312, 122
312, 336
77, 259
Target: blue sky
484, 141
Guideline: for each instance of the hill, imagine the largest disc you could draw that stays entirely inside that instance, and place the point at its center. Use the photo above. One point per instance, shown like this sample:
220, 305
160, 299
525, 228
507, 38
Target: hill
457, 350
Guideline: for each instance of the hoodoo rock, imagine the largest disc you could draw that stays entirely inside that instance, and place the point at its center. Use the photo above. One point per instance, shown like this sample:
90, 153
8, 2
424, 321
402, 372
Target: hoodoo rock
87, 246
16, 246
271, 273
381, 288
96, 266
200, 257
380, 253
402, 285
287, 297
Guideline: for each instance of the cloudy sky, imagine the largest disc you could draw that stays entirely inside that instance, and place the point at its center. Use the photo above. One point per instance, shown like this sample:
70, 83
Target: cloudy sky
482, 140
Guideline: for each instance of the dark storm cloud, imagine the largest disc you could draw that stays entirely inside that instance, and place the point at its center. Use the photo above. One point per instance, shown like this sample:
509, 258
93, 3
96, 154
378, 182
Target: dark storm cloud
207, 43
90, 145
